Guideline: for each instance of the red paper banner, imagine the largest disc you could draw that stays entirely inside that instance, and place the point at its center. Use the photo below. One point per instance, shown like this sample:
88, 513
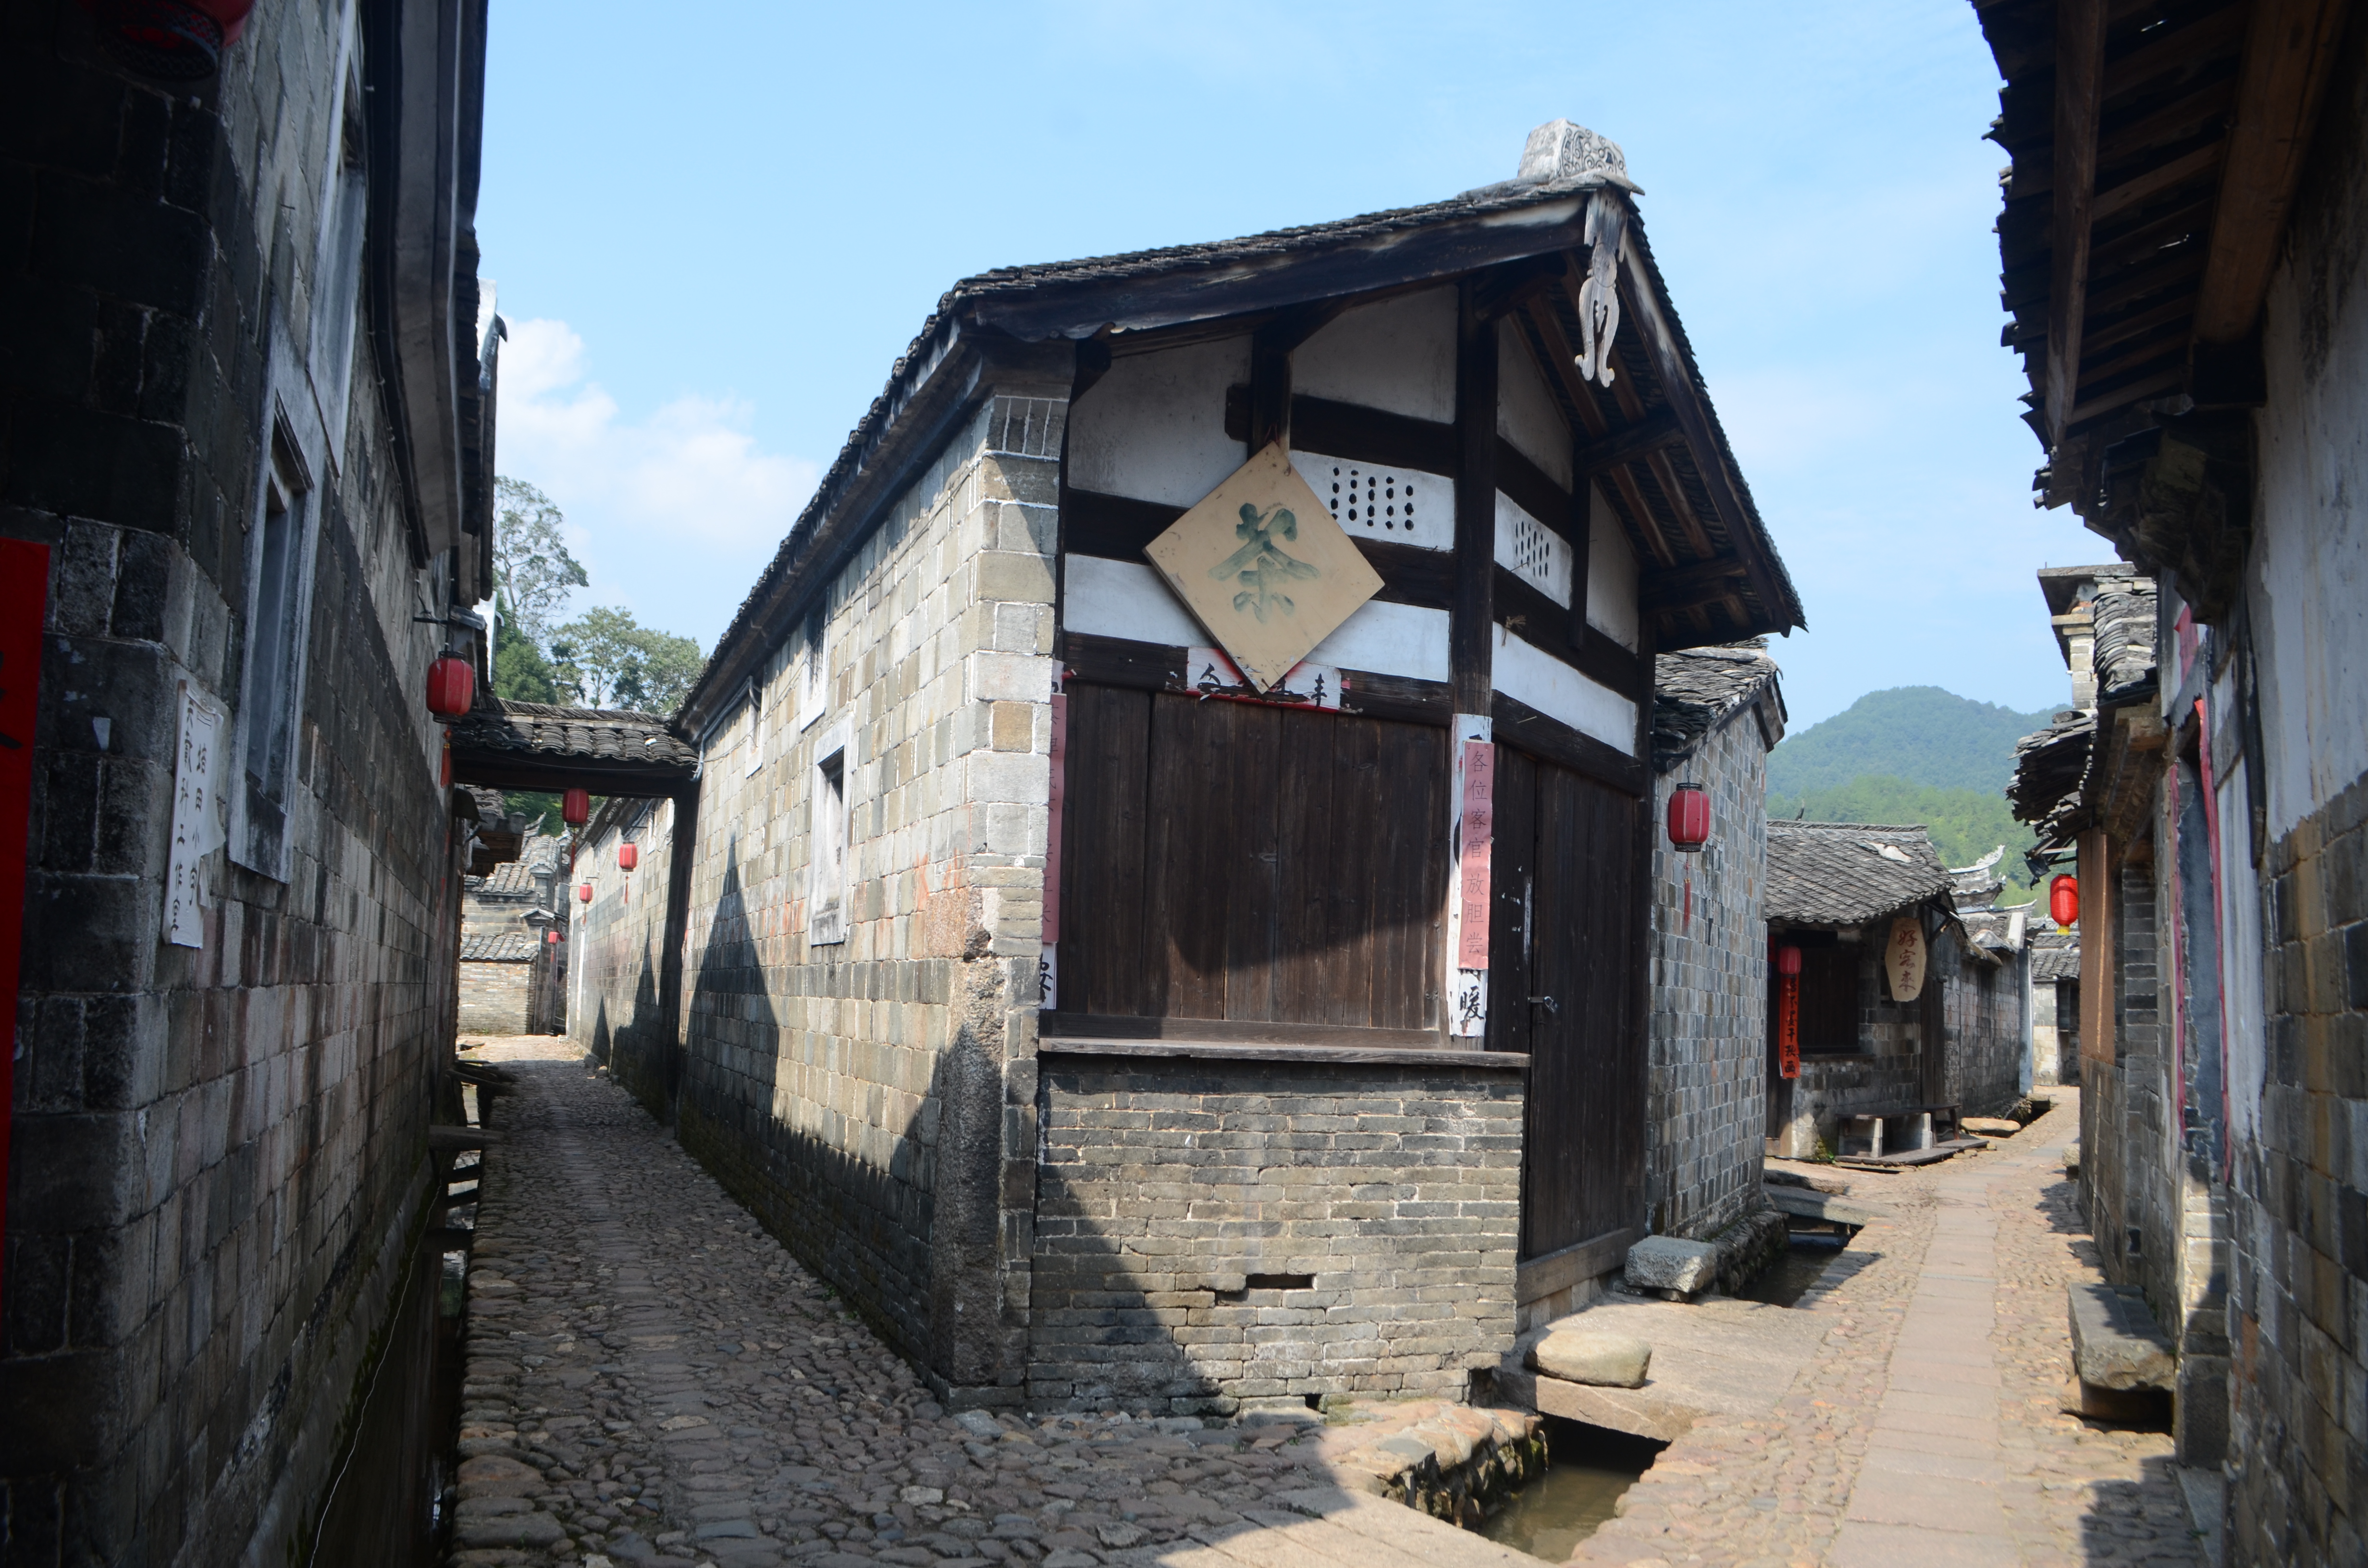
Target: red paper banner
24, 600
1479, 835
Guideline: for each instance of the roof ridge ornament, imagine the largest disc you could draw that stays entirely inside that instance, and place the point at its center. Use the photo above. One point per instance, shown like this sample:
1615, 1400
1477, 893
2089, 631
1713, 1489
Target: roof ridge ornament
1559, 153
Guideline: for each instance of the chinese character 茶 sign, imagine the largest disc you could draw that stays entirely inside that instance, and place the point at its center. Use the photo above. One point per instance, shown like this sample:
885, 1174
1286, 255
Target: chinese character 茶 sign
1261, 564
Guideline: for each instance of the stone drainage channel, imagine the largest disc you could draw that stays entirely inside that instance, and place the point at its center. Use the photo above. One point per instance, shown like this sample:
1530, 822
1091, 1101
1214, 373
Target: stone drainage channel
1550, 1508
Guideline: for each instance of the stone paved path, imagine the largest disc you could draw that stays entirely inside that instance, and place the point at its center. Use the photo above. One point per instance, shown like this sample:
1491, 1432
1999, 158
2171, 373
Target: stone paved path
652, 1379
1928, 1429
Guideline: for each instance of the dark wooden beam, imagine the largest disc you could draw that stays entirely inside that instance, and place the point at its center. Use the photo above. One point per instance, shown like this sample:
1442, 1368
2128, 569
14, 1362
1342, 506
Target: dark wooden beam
1353, 431
1680, 587
1630, 442
2079, 91
1471, 627
1519, 724
2290, 45
1271, 348
1505, 290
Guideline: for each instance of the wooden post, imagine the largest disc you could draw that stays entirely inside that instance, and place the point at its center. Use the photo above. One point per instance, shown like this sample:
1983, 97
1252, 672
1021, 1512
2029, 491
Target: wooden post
1471, 634
2097, 1043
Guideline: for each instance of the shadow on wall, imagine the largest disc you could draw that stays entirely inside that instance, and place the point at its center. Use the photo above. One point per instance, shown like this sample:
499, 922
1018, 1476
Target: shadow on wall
1186, 1236
857, 1204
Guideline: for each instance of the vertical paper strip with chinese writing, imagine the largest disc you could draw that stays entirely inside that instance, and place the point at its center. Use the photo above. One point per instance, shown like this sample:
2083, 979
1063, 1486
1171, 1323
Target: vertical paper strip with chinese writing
194, 814
1472, 833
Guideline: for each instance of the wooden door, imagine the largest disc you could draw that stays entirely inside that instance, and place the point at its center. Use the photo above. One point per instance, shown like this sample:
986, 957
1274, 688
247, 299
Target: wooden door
1569, 916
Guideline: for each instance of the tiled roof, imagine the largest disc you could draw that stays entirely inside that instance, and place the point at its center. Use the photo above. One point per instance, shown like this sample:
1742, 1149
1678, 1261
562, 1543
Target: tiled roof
2054, 954
598, 734
1693, 690
510, 947
2048, 766
2124, 618
512, 878
1843, 873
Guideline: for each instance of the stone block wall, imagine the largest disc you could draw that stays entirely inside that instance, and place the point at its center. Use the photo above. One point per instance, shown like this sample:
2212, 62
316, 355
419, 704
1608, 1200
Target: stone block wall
219, 1152
1982, 1020
1705, 1097
495, 997
618, 942
1212, 1232
873, 1101
2299, 1292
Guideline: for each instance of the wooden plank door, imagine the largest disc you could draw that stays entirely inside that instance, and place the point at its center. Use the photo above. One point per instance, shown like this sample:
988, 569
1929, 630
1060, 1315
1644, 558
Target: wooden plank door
1583, 1170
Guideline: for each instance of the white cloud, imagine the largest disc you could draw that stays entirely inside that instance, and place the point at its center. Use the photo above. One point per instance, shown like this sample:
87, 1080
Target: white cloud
674, 514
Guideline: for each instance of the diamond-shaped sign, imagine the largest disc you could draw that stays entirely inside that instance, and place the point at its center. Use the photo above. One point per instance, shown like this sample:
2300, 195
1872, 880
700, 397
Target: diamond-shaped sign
1261, 564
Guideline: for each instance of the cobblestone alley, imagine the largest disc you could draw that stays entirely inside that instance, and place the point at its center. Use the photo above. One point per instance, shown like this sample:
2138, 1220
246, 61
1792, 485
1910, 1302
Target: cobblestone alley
650, 1379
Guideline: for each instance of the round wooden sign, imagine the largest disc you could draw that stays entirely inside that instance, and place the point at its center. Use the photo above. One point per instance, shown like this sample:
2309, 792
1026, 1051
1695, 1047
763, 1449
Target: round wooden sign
1902, 958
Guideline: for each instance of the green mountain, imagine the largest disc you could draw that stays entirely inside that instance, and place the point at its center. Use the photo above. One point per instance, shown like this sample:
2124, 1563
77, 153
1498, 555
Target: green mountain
1920, 734
1915, 754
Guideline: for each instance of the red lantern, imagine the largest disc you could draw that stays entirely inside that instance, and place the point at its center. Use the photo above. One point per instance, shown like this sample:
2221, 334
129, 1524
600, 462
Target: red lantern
174, 40
552, 937
2064, 900
1788, 961
584, 893
628, 857
452, 686
575, 807
1689, 817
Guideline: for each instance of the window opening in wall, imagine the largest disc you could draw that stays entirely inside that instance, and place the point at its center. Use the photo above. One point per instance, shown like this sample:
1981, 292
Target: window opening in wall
274, 656
756, 722
827, 885
1830, 1020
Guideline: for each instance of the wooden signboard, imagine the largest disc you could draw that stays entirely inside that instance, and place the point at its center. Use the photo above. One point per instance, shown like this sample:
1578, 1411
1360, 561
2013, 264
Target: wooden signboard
1902, 958
1261, 564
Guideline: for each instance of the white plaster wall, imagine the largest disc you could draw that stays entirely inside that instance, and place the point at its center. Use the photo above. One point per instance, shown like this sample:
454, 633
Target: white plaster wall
1124, 598
1530, 674
1527, 415
2310, 556
1153, 427
1610, 573
1398, 354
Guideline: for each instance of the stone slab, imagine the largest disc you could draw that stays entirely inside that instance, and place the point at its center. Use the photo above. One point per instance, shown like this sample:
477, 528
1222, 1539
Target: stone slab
2115, 1344
1671, 1263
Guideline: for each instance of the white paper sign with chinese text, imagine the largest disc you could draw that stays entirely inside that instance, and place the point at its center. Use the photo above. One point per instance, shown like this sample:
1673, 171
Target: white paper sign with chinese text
196, 812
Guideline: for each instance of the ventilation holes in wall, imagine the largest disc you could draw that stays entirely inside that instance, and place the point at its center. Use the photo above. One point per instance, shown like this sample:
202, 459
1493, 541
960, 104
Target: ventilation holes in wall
1376, 501
1532, 553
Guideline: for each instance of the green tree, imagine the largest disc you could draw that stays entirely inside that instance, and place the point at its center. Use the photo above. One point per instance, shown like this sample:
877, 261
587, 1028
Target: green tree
532, 568
607, 660
522, 671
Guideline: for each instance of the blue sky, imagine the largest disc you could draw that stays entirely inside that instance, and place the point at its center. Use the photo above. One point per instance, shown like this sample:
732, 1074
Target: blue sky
713, 227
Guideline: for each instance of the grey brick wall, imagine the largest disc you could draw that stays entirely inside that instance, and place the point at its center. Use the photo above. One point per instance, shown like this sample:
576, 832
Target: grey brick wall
1706, 1085
1164, 1185
218, 1152
495, 997
2298, 1294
